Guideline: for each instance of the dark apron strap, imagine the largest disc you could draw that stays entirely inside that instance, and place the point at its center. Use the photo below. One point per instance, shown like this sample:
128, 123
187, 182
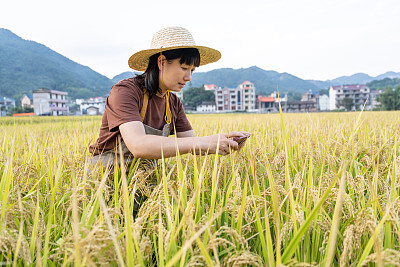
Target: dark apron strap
144, 107
145, 103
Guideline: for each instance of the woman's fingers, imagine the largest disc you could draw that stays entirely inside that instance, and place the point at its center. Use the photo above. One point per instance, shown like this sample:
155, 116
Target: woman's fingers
234, 145
226, 142
234, 134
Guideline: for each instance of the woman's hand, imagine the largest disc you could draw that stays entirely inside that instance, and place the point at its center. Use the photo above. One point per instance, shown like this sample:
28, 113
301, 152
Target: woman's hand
225, 140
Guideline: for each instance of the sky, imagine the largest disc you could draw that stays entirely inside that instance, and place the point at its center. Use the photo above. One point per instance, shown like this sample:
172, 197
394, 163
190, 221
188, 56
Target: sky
311, 39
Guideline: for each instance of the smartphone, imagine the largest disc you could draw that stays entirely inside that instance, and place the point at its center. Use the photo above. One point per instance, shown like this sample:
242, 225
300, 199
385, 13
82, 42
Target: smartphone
241, 140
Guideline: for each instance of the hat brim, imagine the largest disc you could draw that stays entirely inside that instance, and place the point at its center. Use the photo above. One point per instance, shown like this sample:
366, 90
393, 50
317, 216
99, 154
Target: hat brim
140, 60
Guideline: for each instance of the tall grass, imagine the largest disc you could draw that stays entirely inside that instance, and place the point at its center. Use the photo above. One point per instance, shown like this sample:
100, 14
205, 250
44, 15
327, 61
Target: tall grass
315, 189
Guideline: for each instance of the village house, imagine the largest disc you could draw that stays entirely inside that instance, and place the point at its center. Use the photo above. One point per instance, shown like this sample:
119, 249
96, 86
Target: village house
374, 98
211, 87
310, 96
205, 107
358, 92
299, 106
271, 103
323, 102
6, 104
225, 99
27, 101
93, 106
266, 104
246, 96
50, 102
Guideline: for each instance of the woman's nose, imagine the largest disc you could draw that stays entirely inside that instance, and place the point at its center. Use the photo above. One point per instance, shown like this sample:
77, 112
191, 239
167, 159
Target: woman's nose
188, 75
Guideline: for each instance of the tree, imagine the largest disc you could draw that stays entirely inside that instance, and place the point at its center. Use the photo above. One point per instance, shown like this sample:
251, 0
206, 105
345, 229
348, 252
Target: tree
348, 103
293, 96
194, 96
379, 84
19, 109
390, 98
324, 92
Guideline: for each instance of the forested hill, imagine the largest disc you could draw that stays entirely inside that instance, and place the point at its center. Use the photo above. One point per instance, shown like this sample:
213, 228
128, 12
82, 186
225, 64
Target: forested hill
384, 83
27, 65
264, 81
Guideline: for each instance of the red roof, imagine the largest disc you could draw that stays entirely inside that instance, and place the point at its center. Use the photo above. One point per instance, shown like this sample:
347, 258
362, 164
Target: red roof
266, 99
246, 82
210, 86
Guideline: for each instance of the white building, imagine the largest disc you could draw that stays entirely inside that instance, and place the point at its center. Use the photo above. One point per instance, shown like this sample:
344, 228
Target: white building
7, 102
230, 99
50, 102
358, 92
374, 98
206, 107
323, 102
246, 95
93, 106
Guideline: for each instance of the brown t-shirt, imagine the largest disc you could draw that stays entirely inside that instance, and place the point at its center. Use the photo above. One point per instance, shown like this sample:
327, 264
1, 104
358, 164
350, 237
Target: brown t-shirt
124, 105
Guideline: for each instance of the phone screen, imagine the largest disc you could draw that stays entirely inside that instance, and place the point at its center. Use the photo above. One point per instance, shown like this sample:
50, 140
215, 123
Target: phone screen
241, 140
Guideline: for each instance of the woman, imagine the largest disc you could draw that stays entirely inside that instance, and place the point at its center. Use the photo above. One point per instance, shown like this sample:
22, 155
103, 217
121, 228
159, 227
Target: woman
141, 112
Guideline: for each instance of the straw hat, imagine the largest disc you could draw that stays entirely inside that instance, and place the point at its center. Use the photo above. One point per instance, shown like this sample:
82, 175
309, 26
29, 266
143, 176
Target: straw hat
168, 39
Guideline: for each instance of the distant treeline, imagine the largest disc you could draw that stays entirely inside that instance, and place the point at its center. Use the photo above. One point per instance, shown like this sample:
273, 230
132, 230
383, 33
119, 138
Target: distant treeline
384, 83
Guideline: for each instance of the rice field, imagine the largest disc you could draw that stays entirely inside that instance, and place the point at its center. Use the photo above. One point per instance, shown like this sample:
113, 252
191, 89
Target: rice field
306, 190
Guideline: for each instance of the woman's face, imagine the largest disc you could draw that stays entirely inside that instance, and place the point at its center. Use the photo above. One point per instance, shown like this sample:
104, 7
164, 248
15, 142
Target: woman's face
174, 74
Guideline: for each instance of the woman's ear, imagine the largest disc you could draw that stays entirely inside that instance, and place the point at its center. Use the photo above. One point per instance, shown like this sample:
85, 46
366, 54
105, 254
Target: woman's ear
161, 61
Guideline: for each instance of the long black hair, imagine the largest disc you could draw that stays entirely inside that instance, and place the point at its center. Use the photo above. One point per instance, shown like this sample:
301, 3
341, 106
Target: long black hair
188, 56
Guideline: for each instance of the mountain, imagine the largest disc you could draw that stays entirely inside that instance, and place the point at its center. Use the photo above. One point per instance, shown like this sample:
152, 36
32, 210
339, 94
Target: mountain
268, 81
358, 78
124, 75
264, 81
384, 83
26, 66
389, 74
321, 84
362, 78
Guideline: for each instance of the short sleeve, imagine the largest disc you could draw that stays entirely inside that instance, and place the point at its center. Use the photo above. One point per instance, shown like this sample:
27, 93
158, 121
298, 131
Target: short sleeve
123, 104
